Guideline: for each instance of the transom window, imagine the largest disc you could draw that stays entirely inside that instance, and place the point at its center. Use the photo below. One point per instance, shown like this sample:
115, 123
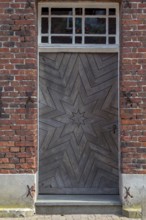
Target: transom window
94, 25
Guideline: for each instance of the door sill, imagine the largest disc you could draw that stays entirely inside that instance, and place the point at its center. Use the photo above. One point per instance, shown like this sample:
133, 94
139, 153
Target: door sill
78, 204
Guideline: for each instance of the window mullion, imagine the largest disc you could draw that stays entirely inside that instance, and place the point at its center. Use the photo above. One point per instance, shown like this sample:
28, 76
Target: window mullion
83, 26
73, 37
107, 10
49, 25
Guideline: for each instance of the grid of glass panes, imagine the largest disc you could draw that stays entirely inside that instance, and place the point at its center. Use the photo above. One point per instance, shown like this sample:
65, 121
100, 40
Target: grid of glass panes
78, 26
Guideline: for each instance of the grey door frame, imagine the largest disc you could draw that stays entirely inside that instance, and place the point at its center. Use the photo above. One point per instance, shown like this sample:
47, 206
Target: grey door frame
82, 50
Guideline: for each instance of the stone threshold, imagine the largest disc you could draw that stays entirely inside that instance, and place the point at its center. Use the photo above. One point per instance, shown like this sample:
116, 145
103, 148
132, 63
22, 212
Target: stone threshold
78, 200
78, 204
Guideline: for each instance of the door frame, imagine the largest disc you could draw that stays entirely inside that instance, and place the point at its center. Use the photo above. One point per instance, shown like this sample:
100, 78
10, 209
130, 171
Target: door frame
78, 49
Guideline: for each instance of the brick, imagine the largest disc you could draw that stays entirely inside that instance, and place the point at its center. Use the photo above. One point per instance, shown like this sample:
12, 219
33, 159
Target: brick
7, 166
14, 149
4, 160
14, 160
6, 143
26, 66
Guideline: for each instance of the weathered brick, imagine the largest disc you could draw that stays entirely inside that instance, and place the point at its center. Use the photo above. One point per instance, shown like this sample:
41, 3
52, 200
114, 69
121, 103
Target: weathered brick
18, 42
132, 65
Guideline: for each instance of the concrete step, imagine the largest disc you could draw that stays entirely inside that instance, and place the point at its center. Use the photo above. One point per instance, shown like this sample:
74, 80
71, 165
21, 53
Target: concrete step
78, 204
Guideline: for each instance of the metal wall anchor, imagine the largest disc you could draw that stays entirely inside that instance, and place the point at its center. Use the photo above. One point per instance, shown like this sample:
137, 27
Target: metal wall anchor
128, 193
30, 191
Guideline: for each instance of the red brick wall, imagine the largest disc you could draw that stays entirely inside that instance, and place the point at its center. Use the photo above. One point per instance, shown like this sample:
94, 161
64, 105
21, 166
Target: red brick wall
133, 86
18, 86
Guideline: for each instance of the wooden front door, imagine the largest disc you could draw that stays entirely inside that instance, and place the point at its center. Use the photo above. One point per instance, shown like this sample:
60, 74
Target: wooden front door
78, 123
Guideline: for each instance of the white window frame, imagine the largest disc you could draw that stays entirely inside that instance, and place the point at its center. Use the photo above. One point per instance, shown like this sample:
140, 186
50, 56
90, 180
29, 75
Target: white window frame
44, 47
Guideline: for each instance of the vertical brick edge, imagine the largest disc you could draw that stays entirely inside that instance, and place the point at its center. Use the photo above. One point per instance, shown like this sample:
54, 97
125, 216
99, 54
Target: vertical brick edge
133, 87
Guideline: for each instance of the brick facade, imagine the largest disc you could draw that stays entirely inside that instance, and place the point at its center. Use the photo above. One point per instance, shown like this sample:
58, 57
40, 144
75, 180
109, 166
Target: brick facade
133, 87
18, 86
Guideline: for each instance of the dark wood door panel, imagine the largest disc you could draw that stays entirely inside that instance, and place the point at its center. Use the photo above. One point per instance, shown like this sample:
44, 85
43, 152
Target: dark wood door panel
78, 123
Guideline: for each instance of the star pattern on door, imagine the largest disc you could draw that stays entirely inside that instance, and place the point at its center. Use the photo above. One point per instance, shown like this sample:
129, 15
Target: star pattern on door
78, 108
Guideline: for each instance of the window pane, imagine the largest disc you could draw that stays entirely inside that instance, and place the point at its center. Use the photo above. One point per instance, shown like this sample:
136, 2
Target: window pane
61, 11
78, 40
100, 25
61, 26
78, 23
45, 25
112, 11
112, 26
95, 11
95, 40
61, 40
111, 40
45, 11
78, 11
95, 25
44, 40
